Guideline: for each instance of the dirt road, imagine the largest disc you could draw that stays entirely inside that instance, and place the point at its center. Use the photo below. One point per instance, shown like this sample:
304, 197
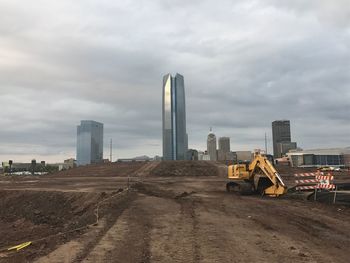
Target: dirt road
178, 219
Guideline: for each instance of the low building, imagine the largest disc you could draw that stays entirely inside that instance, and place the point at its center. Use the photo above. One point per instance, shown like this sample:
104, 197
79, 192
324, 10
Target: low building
221, 155
231, 156
244, 156
227, 156
203, 156
283, 161
284, 147
67, 164
157, 158
125, 160
19, 168
338, 157
142, 158
70, 163
192, 155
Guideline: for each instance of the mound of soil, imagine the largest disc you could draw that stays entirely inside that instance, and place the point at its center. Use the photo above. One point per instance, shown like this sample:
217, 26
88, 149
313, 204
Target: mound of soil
185, 168
106, 169
32, 215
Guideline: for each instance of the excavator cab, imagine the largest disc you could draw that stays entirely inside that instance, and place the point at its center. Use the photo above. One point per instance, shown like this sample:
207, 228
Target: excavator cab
238, 171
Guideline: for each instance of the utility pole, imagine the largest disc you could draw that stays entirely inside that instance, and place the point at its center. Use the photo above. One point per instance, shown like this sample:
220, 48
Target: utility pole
110, 151
265, 144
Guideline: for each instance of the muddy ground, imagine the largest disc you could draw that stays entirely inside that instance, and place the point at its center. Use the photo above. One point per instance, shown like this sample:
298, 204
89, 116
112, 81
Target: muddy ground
163, 217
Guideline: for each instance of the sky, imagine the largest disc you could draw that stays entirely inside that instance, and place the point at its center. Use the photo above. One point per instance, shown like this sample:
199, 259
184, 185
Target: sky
245, 64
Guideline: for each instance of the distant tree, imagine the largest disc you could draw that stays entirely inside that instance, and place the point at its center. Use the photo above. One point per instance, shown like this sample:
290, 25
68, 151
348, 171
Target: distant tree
51, 168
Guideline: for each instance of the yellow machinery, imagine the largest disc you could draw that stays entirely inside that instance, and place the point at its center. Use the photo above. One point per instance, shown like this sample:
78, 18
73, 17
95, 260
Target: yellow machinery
259, 176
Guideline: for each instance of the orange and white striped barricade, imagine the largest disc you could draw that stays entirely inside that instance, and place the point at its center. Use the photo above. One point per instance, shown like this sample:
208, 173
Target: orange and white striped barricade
325, 181
307, 181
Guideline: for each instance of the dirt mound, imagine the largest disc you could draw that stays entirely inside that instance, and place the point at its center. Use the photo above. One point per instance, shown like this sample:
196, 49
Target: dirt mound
185, 168
106, 169
33, 215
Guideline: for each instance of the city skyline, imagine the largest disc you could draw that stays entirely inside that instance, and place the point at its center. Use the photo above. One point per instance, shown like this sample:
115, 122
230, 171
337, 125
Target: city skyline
67, 61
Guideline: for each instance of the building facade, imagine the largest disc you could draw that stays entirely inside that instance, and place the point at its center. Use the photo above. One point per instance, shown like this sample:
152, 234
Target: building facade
89, 142
337, 157
281, 137
211, 146
175, 139
192, 155
285, 147
224, 144
244, 156
203, 156
224, 148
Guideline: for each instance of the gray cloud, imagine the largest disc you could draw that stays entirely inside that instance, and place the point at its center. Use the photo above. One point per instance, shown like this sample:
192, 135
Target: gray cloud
333, 13
246, 63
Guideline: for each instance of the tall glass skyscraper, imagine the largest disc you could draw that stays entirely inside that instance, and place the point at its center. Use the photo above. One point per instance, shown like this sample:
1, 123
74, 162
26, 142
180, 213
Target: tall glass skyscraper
175, 139
89, 142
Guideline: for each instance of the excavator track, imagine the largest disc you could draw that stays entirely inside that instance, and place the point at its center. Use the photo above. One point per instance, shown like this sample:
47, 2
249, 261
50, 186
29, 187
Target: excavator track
240, 187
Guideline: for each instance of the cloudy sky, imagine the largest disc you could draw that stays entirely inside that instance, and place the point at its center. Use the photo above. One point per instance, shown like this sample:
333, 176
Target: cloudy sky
245, 63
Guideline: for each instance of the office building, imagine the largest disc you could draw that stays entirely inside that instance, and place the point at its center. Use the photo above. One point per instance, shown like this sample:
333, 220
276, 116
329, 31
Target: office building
285, 147
224, 148
89, 142
244, 156
224, 144
211, 146
192, 155
336, 157
175, 139
203, 156
281, 138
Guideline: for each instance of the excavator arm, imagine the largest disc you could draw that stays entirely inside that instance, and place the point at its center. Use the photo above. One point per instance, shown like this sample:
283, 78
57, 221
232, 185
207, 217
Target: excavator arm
261, 163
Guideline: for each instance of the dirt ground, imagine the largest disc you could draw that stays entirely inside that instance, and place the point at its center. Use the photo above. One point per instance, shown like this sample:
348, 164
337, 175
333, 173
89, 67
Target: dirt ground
162, 217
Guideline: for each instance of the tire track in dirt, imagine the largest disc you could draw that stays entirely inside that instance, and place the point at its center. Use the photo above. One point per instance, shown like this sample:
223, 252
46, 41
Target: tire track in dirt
174, 228
188, 210
229, 235
289, 229
77, 249
127, 240
145, 169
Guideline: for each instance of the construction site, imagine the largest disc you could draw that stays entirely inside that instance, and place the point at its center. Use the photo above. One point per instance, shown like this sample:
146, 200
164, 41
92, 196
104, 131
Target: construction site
170, 211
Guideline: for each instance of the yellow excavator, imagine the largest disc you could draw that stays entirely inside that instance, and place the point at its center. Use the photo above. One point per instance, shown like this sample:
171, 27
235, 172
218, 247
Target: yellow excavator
259, 176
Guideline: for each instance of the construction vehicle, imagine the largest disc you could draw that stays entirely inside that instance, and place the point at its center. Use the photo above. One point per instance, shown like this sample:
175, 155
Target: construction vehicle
258, 176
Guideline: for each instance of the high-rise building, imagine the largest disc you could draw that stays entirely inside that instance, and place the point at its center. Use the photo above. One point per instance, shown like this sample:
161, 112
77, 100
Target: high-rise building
175, 139
89, 142
211, 146
281, 138
224, 144
224, 148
